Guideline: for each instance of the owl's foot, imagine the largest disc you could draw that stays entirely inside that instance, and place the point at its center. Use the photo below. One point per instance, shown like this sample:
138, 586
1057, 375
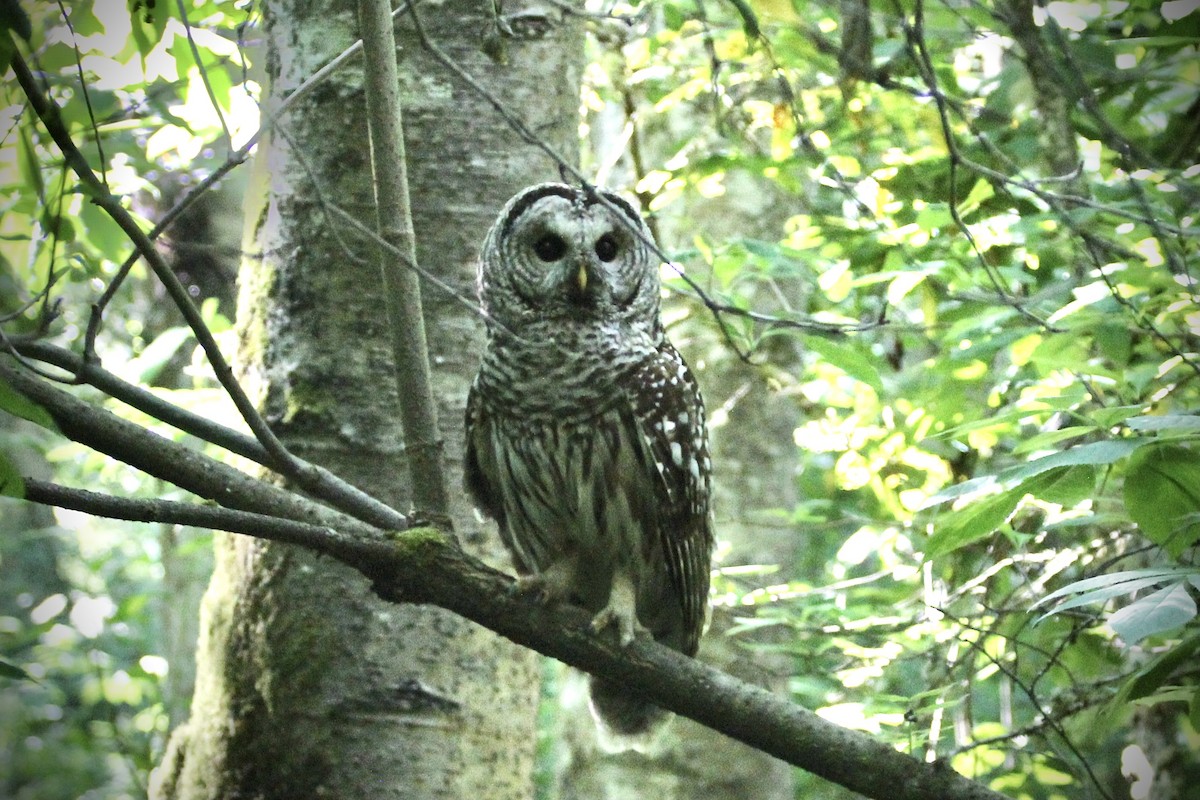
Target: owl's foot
548, 587
621, 612
628, 627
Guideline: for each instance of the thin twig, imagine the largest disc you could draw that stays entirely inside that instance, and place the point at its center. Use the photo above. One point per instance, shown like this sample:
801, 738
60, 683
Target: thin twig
1028, 690
96, 318
48, 113
195, 49
174, 512
312, 479
87, 97
915, 37
1140, 318
401, 287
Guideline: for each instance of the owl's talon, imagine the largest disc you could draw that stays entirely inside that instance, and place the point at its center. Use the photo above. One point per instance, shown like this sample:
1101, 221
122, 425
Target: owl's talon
628, 628
621, 611
532, 587
548, 587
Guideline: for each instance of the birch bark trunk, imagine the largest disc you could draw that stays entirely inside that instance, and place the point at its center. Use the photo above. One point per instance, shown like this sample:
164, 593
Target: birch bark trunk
307, 685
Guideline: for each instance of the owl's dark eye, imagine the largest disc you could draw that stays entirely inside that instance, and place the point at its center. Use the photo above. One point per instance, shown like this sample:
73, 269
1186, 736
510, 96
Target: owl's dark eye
550, 247
606, 247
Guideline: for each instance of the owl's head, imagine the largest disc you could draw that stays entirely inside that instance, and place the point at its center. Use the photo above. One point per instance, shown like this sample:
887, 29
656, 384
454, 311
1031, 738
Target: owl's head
558, 253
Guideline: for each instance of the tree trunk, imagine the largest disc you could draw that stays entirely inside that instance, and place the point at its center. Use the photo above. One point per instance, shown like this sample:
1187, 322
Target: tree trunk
307, 685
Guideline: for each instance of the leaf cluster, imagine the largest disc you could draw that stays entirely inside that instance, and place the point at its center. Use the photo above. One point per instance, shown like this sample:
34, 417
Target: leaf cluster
1011, 407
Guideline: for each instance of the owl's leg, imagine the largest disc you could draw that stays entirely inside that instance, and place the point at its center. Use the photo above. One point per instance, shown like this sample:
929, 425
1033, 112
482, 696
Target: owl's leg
551, 585
621, 611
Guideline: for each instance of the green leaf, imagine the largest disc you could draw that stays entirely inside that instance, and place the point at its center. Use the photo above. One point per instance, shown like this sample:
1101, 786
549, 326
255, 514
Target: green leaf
1113, 587
156, 354
58, 226
1157, 671
1162, 573
1065, 486
848, 360
11, 482
14, 672
980, 192
21, 406
30, 165
1160, 41
1041, 407
957, 490
964, 526
902, 284
1166, 422
1168, 608
103, 233
1043, 441
1115, 415
1162, 493
1096, 453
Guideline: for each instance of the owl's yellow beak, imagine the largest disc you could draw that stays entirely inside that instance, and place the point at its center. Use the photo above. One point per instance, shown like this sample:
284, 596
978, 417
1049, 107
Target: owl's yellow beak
581, 278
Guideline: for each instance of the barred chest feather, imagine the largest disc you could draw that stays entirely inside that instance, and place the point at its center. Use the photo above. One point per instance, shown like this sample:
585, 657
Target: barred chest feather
601, 464
568, 373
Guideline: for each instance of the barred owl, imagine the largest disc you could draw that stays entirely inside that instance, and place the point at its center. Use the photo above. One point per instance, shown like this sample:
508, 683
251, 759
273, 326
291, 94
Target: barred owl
586, 437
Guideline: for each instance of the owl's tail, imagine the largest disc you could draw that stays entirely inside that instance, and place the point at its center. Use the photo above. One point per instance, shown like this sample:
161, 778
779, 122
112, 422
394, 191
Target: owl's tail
626, 721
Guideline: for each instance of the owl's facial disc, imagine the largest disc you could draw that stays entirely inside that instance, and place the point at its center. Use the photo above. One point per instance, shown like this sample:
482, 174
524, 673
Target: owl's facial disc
579, 267
567, 255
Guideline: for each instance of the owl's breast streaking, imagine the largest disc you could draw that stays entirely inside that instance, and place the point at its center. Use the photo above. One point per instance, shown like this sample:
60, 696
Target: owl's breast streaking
586, 435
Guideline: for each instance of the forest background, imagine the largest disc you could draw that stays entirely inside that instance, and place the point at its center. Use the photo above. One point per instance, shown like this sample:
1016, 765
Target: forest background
932, 262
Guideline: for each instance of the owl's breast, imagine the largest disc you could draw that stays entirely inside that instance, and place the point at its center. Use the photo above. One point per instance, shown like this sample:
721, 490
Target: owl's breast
574, 489
569, 377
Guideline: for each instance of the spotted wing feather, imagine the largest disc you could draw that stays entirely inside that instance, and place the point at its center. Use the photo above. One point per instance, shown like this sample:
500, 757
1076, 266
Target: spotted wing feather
670, 418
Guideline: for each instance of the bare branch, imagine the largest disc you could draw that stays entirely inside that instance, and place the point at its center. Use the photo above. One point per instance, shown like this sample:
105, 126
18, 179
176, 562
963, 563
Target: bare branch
182, 466
312, 479
174, 512
49, 114
401, 287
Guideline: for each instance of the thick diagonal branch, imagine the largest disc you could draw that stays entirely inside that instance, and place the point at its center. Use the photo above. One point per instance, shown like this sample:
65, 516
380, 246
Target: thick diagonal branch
425, 566
99, 194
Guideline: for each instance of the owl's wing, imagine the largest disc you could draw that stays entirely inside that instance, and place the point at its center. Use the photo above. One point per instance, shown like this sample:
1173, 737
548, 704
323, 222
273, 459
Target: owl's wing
665, 400
475, 480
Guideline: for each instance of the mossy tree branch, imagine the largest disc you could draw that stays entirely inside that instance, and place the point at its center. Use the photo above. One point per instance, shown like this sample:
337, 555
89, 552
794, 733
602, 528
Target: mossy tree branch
423, 565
